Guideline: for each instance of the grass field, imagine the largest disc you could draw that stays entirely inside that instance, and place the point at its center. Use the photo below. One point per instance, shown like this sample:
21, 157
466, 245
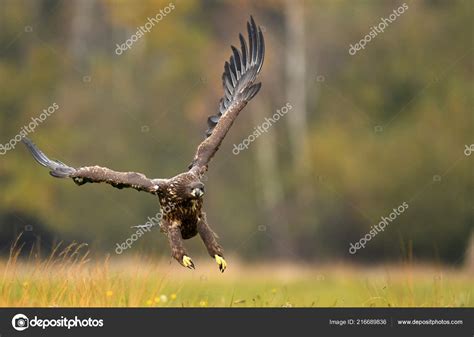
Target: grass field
69, 278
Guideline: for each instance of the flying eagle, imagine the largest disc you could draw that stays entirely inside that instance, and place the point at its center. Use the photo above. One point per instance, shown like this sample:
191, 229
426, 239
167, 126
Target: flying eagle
181, 196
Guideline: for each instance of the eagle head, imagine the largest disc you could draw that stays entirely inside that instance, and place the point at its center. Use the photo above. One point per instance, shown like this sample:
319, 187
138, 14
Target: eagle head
195, 190
183, 187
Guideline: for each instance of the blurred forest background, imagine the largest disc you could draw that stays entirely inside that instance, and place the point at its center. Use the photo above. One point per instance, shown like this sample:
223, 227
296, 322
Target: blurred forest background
366, 132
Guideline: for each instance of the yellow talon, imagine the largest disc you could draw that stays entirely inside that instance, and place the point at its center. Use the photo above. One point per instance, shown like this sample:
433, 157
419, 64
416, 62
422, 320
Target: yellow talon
221, 262
187, 262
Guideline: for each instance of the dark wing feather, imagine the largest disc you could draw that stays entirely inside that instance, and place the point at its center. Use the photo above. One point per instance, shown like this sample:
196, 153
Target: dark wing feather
57, 168
93, 174
239, 88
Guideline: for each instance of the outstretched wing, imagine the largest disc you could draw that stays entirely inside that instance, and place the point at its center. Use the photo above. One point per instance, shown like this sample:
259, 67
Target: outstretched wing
93, 174
239, 88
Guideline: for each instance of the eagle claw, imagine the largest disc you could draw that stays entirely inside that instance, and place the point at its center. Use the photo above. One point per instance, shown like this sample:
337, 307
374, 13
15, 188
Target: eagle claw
221, 262
188, 262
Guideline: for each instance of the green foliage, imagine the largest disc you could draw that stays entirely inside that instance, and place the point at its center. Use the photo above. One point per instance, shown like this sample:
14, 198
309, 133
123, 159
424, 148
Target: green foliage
381, 125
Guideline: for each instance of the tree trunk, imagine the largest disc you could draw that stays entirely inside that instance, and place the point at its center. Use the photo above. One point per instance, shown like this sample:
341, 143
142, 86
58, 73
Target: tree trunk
295, 81
274, 222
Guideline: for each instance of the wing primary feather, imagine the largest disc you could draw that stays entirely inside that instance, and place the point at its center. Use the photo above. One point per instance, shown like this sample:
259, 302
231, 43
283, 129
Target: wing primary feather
228, 95
227, 73
254, 40
252, 91
243, 46
249, 30
228, 85
233, 75
238, 62
57, 168
259, 45
39, 156
226, 76
261, 50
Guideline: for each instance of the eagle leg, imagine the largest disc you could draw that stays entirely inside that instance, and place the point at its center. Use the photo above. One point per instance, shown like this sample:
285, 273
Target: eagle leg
209, 238
177, 248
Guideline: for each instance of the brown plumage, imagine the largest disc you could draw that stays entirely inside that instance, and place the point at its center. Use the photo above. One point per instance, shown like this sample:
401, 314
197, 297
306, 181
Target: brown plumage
181, 196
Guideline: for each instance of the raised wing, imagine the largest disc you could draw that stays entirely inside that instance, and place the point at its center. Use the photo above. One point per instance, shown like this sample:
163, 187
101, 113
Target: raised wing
93, 174
239, 88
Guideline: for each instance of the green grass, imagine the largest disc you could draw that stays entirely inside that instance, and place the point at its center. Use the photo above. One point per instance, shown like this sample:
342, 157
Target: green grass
71, 279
